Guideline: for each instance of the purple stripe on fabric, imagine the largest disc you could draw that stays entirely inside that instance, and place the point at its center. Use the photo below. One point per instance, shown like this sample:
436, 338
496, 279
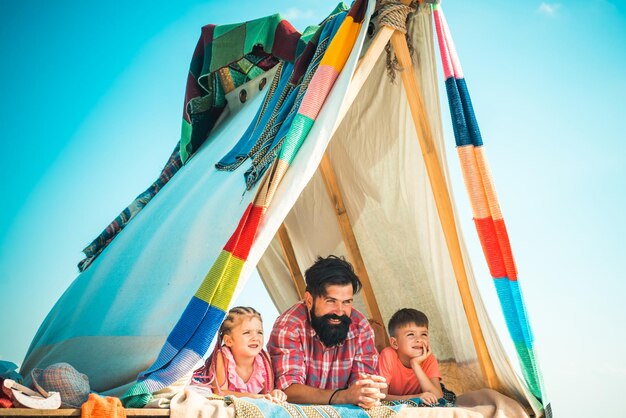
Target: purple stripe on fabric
168, 351
181, 364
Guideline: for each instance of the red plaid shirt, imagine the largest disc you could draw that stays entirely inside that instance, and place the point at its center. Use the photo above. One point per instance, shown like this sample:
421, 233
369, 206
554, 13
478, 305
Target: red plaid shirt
298, 355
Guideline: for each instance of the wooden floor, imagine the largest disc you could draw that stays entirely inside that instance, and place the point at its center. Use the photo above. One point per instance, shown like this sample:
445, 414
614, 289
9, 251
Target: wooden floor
26, 412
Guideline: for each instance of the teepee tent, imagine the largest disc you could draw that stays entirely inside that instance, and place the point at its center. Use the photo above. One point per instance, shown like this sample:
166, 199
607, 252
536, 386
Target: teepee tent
301, 146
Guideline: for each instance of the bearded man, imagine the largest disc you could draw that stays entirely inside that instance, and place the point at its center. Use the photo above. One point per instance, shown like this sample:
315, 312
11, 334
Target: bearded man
322, 349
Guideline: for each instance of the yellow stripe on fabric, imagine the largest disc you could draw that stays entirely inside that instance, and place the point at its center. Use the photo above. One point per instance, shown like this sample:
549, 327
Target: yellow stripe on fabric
488, 184
226, 287
341, 45
226, 267
473, 182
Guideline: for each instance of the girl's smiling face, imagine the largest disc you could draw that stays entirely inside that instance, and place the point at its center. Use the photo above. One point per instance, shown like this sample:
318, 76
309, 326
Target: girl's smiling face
246, 338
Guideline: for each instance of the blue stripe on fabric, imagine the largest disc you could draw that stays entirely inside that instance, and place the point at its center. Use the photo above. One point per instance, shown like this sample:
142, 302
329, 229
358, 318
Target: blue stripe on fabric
513, 309
205, 332
172, 362
200, 322
461, 133
184, 330
508, 308
188, 322
522, 314
468, 110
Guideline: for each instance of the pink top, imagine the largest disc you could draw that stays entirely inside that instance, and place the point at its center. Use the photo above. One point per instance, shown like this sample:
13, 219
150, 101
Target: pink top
256, 382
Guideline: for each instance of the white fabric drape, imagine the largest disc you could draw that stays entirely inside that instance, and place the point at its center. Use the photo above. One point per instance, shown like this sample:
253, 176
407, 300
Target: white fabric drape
376, 157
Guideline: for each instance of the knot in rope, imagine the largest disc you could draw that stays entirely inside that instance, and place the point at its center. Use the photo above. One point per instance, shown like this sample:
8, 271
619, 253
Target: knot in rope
394, 14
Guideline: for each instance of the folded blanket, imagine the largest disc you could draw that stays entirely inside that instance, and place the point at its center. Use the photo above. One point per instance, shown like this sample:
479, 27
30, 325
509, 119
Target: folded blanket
190, 404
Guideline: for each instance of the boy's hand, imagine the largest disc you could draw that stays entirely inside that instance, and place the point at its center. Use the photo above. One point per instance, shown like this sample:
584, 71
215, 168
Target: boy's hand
428, 398
417, 361
276, 396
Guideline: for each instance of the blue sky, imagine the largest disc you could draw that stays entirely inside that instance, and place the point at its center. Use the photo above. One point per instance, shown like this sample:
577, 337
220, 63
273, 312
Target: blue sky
90, 109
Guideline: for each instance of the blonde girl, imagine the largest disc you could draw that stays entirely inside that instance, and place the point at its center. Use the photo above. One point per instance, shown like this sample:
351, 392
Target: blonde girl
239, 365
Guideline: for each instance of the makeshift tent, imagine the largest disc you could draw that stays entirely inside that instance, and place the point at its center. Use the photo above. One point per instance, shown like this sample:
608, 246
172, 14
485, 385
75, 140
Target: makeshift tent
335, 159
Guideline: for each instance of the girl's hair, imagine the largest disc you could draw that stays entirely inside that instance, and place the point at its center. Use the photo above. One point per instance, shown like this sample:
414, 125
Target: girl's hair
234, 318
206, 375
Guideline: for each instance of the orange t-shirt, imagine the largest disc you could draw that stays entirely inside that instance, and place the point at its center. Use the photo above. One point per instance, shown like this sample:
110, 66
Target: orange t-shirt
401, 380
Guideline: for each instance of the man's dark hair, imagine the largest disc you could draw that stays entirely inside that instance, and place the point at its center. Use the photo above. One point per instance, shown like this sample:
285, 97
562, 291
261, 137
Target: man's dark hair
328, 271
406, 316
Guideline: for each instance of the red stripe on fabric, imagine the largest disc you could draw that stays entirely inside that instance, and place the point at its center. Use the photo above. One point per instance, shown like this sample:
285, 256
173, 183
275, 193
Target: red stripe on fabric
286, 39
491, 247
232, 242
241, 241
505, 249
357, 11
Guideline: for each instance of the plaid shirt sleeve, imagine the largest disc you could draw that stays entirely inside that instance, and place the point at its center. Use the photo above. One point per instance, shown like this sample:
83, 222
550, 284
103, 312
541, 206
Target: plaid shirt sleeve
366, 356
286, 348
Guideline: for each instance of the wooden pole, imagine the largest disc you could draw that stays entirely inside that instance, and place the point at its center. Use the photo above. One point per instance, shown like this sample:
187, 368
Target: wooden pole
292, 263
443, 202
371, 56
332, 187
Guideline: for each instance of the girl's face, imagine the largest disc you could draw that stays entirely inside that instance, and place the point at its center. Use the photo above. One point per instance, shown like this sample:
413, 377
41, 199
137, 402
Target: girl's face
246, 338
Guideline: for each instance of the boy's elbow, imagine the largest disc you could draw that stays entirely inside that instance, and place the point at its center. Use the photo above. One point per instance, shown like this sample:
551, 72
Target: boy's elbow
438, 392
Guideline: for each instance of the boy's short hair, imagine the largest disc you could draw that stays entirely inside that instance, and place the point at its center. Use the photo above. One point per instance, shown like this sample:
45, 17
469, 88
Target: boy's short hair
328, 271
406, 316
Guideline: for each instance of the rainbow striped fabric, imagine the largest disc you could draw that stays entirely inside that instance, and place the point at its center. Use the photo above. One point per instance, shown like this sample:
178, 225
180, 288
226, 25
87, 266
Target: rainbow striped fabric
198, 324
485, 207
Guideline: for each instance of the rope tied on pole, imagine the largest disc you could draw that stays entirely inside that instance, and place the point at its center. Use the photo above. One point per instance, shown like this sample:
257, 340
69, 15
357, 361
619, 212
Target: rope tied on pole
395, 14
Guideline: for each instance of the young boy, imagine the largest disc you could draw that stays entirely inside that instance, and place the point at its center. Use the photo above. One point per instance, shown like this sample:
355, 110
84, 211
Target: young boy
408, 365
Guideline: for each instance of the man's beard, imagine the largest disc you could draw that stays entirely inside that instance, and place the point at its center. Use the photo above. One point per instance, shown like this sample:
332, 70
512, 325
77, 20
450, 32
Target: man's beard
330, 334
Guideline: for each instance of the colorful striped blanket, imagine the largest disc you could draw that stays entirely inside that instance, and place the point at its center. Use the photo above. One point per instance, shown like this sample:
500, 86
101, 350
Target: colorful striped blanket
261, 408
198, 324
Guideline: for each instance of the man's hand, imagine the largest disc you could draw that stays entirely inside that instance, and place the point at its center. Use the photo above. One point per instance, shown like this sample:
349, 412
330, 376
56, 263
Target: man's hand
417, 361
364, 392
428, 398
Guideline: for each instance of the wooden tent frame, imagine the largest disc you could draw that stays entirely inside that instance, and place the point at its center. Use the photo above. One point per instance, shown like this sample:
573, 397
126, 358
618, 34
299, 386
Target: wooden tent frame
441, 195
439, 188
